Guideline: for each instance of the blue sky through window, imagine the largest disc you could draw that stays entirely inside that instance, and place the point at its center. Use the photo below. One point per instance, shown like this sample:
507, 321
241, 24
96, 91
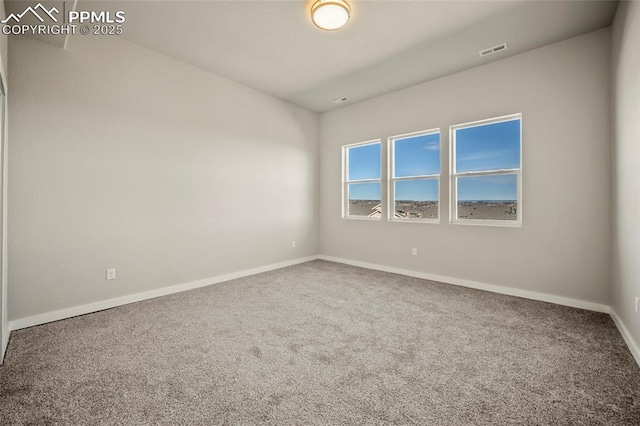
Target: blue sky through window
417, 155
417, 190
364, 191
488, 147
488, 188
364, 162
494, 146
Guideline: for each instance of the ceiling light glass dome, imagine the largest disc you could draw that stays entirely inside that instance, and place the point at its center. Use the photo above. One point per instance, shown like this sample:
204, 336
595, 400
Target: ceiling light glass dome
330, 14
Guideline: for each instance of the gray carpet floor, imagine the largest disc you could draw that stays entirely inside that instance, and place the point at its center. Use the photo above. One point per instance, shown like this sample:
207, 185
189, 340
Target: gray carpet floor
324, 343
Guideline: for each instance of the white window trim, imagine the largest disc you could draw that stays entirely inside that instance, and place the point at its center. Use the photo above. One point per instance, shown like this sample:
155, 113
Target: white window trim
346, 181
453, 198
391, 189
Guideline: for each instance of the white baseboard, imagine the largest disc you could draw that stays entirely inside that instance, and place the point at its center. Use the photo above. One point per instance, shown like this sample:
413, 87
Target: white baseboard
124, 300
631, 343
633, 346
4, 342
544, 297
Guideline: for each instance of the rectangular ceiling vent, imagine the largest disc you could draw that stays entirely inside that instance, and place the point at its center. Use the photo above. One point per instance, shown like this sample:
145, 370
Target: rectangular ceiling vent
493, 49
340, 100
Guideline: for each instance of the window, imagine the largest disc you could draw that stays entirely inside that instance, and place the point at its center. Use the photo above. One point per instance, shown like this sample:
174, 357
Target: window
486, 178
414, 182
361, 165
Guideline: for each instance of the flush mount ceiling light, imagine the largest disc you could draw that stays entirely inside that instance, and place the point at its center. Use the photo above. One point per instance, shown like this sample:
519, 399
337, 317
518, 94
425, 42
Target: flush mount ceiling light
330, 14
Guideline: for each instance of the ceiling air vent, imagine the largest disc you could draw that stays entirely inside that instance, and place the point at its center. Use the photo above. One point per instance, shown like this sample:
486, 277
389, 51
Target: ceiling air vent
493, 49
340, 100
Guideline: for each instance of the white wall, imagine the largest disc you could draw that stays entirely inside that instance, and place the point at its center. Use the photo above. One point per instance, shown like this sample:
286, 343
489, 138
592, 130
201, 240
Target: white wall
4, 321
626, 169
562, 90
124, 158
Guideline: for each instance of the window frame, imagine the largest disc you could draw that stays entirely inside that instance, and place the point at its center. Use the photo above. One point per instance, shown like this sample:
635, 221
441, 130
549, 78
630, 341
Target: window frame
346, 181
392, 179
453, 175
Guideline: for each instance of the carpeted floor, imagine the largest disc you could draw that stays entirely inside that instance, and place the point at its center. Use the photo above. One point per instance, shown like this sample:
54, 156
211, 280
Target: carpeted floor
324, 343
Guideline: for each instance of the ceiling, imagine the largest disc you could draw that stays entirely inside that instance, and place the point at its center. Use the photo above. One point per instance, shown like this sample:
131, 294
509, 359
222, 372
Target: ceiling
272, 46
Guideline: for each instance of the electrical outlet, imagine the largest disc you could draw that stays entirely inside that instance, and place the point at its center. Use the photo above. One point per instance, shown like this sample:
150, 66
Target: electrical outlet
111, 274
414, 251
293, 243
637, 305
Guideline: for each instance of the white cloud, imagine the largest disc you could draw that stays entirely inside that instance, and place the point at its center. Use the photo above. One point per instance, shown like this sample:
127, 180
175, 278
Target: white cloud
485, 155
431, 146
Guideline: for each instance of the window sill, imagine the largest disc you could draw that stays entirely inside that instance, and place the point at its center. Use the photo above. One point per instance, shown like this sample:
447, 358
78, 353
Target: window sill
494, 223
370, 219
431, 221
